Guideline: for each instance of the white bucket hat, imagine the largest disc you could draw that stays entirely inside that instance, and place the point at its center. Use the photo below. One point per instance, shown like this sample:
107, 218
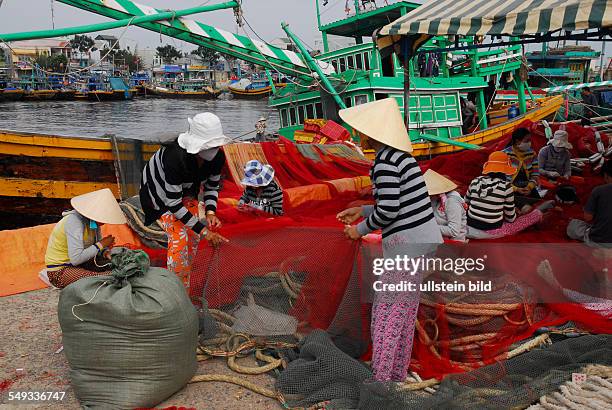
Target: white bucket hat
438, 184
380, 120
560, 140
205, 132
100, 206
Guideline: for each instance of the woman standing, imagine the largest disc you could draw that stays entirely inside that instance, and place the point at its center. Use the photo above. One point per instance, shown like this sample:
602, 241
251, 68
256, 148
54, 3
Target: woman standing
170, 185
403, 211
76, 241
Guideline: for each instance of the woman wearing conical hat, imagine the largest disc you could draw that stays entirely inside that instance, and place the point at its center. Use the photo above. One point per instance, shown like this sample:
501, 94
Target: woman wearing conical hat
76, 241
448, 205
403, 212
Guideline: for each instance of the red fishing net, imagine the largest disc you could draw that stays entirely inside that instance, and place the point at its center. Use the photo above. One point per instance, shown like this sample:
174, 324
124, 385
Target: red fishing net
298, 272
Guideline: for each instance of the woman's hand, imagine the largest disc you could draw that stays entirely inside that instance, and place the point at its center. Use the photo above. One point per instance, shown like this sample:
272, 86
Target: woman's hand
215, 239
351, 232
107, 241
212, 221
350, 215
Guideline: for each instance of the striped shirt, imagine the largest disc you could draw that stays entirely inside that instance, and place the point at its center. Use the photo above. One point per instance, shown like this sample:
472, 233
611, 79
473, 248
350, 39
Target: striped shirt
490, 201
526, 165
172, 174
270, 199
402, 201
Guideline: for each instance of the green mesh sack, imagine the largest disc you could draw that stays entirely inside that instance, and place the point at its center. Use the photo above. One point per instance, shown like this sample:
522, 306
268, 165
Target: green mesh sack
130, 337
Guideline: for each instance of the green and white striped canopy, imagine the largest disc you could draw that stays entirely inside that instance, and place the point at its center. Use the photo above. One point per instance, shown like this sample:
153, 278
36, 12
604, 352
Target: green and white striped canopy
571, 87
501, 17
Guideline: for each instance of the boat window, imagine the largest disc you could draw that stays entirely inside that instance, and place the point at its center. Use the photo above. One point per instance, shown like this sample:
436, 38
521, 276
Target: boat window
342, 64
335, 64
361, 99
301, 114
387, 66
380, 96
292, 115
310, 111
359, 61
284, 119
366, 61
347, 102
350, 63
319, 110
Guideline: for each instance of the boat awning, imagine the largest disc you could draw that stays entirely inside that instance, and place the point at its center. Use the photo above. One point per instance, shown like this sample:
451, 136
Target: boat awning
520, 18
571, 87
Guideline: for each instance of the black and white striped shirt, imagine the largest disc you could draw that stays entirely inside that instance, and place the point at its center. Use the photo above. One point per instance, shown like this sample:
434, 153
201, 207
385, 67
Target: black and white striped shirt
172, 174
270, 200
402, 201
491, 201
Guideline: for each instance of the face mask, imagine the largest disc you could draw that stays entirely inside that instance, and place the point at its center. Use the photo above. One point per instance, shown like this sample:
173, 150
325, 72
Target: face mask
208, 154
524, 146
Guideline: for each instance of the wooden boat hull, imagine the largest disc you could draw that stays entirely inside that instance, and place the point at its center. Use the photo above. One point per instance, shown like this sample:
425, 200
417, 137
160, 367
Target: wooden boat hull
40, 173
546, 110
198, 95
40, 95
11, 95
115, 95
65, 95
250, 94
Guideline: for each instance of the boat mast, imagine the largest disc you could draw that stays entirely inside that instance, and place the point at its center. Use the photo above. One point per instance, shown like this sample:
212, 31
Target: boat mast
31, 35
323, 33
312, 64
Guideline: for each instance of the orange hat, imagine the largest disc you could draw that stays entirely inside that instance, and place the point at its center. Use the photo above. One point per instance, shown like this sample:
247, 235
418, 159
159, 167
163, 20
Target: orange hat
498, 162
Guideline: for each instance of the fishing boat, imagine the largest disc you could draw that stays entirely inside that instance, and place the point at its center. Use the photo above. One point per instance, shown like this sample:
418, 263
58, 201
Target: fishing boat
183, 90
11, 94
252, 90
39, 95
106, 89
544, 110
40, 173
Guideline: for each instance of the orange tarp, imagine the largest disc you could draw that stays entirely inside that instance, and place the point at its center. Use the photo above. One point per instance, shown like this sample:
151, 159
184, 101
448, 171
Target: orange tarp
22, 257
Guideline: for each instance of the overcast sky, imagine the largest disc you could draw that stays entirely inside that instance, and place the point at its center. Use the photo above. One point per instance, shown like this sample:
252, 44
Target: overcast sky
265, 16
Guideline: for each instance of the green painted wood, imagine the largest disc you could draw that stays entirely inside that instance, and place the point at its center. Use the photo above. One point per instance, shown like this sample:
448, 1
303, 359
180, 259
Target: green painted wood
31, 35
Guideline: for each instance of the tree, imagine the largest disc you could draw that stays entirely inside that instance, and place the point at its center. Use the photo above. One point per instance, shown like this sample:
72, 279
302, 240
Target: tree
207, 54
56, 63
129, 59
108, 54
82, 44
168, 53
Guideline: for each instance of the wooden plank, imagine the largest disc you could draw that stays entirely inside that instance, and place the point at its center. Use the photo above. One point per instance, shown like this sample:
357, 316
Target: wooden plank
50, 189
19, 212
55, 141
51, 151
57, 169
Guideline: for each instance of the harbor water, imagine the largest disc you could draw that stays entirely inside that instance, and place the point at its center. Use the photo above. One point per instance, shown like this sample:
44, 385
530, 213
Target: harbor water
146, 119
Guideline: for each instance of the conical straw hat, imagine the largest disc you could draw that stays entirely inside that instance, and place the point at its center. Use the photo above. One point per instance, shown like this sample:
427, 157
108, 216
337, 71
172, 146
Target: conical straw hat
100, 206
438, 184
380, 120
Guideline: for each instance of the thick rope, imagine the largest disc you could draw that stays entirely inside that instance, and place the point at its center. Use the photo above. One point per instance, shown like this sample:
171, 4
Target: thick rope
594, 393
235, 380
